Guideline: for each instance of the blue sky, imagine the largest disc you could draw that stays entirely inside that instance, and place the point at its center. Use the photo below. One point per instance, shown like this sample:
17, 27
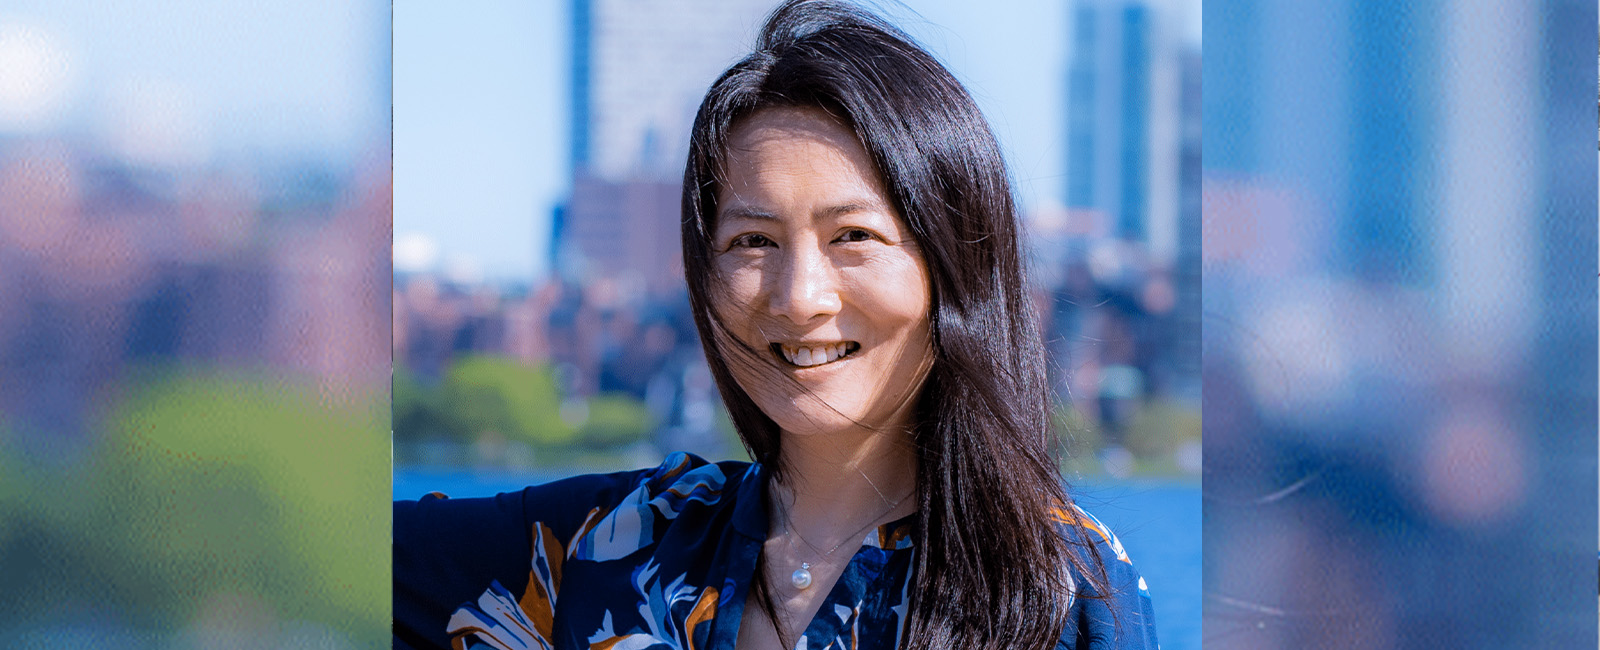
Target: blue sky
480, 115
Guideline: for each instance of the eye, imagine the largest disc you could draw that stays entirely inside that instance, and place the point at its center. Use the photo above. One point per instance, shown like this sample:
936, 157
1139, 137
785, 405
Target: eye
752, 240
854, 235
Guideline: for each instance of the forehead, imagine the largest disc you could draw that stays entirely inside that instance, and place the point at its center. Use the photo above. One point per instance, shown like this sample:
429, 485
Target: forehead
781, 157
780, 124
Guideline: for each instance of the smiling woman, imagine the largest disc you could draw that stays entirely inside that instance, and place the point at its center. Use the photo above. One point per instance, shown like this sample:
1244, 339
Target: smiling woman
817, 271
827, 298
850, 246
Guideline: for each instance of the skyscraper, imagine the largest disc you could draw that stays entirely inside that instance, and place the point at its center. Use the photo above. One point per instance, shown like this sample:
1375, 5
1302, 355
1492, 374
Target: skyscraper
639, 70
1123, 119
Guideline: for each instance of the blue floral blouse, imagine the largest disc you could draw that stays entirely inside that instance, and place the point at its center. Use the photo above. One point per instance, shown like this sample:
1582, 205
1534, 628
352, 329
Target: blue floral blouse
663, 558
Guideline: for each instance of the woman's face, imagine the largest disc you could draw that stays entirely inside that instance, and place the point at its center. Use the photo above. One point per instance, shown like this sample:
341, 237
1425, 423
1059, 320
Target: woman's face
819, 276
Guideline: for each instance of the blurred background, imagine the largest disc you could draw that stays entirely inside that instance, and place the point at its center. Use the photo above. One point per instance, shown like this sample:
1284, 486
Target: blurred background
196, 312
1399, 324
541, 325
194, 324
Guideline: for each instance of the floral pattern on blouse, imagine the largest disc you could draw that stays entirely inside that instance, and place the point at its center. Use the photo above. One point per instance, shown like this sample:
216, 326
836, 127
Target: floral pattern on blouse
663, 559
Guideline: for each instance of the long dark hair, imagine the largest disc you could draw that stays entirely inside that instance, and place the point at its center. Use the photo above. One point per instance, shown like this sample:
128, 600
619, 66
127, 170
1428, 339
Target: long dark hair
989, 492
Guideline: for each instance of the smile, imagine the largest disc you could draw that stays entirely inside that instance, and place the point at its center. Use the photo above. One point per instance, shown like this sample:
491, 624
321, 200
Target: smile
815, 355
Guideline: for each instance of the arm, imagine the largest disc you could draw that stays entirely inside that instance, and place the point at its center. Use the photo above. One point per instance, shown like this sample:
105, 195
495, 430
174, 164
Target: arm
493, 565
446, 552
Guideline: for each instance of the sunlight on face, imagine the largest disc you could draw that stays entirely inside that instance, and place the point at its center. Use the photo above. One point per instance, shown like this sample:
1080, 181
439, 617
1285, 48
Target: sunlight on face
820, 277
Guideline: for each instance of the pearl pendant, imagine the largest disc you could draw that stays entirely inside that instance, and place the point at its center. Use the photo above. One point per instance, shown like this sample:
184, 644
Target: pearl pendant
802, 576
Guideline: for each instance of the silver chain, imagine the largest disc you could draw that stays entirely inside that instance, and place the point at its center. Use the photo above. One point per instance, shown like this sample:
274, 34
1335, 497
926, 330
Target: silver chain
788, 525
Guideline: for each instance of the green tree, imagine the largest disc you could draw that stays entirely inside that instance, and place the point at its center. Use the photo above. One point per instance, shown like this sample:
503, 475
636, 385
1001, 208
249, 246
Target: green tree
615, 420
209, 483
520, 402
419, 411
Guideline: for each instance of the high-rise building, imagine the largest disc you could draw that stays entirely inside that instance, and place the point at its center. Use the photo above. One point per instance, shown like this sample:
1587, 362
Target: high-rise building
1185, 332
1122, 119
639, 71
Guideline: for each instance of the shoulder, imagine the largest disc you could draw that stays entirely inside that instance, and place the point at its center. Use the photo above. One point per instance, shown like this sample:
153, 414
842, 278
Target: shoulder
649, 501
575, 505
479, 551
1077, 523
569, 513
1122, 618
680, 482
1084, 531
602, 517
685, 477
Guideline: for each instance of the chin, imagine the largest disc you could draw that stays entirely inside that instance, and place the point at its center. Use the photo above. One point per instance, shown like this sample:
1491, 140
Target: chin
808, 415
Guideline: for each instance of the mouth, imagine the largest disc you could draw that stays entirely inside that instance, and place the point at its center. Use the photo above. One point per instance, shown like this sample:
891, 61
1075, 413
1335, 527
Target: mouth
813, 355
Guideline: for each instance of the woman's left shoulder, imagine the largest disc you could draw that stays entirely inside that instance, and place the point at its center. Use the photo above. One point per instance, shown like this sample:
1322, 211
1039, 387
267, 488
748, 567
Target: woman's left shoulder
1131, 623
1075, 519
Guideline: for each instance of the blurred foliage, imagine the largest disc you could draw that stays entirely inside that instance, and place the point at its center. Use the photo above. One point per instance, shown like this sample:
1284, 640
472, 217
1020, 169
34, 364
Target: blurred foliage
1159, 426
205, 485
615, 420
417, 410
13, 496
479, 395
482, 394
491, 401
1154, 434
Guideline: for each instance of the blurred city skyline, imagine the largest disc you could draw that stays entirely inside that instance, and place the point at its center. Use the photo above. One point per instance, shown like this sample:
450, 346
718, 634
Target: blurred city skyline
483, 108
195, 212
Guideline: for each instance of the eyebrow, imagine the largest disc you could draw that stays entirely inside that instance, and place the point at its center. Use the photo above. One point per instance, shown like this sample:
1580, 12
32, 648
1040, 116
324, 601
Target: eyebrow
745, 212
835, 211
832, 211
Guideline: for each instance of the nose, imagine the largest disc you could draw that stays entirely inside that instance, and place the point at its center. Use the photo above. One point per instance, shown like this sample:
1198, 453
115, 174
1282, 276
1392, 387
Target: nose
805, 287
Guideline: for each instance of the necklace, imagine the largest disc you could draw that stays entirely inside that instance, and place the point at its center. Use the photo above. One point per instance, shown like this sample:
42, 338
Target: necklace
801, 578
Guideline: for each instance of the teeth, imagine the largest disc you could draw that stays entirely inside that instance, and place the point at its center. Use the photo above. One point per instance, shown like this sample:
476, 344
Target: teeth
814, 356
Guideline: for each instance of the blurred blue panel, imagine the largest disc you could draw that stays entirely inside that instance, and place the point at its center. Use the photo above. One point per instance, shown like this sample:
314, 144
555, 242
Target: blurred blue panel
1231, 76
1400, 324
1395, 103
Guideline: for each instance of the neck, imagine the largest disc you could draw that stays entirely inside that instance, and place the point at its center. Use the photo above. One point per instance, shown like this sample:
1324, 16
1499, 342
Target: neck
837, 483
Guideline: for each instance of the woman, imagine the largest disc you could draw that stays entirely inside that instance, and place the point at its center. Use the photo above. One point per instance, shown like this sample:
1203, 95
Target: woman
850, 245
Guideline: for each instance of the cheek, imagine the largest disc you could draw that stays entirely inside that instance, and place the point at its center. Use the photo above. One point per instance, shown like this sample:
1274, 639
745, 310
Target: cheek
733, 299
898, 289
734, 292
